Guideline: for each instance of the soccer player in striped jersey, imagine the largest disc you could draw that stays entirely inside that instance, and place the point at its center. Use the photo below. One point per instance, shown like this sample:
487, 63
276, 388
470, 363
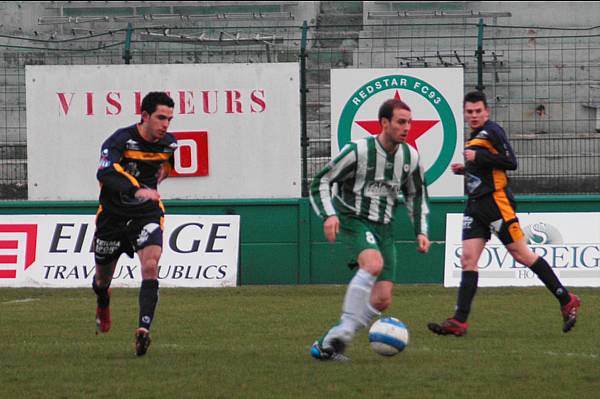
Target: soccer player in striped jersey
133, 161
368, 176
491, 209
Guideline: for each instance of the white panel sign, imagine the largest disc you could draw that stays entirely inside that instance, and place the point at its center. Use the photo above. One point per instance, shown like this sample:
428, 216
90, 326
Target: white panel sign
435, 97
241, 125
569, 242
55, 251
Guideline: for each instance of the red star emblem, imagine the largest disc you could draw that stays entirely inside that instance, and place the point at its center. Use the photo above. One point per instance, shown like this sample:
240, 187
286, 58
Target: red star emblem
417, 128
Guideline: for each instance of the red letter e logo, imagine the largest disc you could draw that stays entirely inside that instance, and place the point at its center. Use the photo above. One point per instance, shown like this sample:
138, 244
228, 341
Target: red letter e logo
11, 237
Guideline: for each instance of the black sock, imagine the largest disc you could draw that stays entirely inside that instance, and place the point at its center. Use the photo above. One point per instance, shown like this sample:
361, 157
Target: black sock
102, 297
466, 293
546, 274
148, 301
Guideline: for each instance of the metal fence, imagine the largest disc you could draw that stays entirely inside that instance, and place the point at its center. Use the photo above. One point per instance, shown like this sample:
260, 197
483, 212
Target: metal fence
543, 83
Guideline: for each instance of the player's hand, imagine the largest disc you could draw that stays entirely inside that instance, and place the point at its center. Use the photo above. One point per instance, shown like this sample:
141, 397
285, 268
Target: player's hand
163, 173
423, 243
148, 193
469, 155
331, 227
458, 168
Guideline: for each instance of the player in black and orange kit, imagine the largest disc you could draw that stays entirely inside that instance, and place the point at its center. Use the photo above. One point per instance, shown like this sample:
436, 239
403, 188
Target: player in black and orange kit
491, 209
133, 161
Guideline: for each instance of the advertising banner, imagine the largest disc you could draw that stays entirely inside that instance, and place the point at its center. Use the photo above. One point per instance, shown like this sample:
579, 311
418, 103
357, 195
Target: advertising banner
569, 242
238, 127
56, 251
435, 97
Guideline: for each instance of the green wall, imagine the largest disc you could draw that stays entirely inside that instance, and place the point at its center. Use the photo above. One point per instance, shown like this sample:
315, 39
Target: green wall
282, 239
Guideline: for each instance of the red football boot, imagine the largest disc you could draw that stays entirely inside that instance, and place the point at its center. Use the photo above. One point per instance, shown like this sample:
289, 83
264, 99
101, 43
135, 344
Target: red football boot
103, 320
569, 312
449, 327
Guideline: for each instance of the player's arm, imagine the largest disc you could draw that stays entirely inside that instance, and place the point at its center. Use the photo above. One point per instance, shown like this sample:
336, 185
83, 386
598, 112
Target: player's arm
167, 166
497, 154
416, 200
110, 173
164, 171
338, 169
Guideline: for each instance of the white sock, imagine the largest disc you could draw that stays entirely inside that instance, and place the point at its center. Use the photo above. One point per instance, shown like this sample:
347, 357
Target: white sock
357, 312
368, 314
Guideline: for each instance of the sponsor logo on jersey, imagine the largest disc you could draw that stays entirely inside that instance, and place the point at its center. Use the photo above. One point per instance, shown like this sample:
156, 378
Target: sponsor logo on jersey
482, 135
131, 144
382, 189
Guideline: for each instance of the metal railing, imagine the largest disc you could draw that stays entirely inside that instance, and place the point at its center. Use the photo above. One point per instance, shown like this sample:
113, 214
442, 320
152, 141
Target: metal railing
543, 83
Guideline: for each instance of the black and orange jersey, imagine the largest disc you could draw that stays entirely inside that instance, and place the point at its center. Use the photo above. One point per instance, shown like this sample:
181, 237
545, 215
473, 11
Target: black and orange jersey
494, 156
127, 163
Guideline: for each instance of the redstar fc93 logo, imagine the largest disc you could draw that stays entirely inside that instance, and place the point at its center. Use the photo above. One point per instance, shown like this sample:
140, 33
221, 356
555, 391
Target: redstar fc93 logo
410, 87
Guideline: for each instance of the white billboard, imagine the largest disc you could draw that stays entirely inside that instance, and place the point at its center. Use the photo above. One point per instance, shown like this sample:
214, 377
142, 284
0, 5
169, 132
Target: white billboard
569, 242
238, 127
56, 251
435, 97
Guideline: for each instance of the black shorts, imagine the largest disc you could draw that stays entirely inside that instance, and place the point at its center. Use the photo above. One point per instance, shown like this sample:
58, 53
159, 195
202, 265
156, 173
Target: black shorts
116, 235
492, 213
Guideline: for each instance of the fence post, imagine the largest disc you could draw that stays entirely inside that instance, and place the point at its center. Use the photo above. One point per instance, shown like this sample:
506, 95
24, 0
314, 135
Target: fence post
127, 48
304, 241
479, 54
303, 91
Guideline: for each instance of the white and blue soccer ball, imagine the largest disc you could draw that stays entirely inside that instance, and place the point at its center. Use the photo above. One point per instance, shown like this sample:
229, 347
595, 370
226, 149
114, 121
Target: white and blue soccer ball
388, 336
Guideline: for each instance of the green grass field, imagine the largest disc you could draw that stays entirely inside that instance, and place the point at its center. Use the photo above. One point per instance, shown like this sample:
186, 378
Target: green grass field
253, 342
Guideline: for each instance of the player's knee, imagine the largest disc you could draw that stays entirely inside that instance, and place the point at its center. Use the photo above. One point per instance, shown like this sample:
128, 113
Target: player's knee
373, 268
150, 264
526, 258
104, 273
150, 258
468, 262
371, 261
150, 268
102, 282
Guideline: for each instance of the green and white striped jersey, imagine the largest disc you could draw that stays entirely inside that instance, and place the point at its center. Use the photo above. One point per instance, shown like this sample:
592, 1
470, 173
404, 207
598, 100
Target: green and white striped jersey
369, 182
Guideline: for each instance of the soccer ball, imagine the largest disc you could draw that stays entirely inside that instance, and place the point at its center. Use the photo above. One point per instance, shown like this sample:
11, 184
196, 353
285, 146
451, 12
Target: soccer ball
388, 336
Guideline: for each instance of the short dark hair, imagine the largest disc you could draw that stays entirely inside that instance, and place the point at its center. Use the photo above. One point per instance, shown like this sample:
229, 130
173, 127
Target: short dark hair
154, 99
475, 96
387, 108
